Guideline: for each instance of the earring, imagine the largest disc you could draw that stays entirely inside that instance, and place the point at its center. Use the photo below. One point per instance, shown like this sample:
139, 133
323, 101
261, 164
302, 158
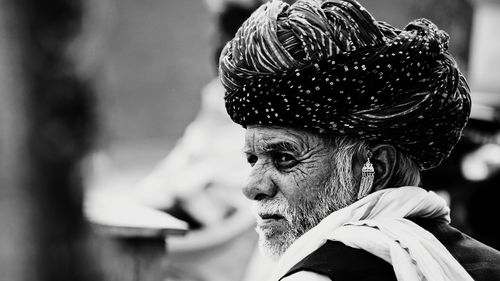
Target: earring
367, 175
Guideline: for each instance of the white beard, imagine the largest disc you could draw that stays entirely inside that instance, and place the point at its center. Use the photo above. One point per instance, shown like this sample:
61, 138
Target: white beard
275, 237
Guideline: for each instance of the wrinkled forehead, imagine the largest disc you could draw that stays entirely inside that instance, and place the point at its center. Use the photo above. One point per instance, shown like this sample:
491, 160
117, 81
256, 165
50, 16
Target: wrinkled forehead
260, 138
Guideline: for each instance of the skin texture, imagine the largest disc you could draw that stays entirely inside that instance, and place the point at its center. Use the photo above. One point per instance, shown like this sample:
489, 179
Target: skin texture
292, 184
298, 178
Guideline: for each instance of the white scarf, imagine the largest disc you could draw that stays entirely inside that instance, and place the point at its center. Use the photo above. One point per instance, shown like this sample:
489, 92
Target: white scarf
378, 224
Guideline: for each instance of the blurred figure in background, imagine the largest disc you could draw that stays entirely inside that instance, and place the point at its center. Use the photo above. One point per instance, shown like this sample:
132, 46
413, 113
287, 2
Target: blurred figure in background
208, 155
200, 180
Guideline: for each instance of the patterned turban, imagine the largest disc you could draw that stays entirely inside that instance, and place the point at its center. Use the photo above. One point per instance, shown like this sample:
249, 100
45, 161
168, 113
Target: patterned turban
331, 67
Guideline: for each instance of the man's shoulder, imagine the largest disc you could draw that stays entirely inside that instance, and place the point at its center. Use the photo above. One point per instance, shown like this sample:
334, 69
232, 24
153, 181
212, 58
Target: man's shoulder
340, 262
335, 259
481, 261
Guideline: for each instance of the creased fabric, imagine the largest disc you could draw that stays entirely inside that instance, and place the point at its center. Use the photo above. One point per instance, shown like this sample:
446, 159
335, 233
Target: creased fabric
332, 68
378, 224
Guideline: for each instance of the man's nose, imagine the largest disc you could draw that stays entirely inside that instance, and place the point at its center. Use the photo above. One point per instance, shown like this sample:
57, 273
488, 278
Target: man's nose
260, 183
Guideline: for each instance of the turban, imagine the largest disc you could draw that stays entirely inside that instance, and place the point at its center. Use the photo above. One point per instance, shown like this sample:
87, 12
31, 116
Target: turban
330, 67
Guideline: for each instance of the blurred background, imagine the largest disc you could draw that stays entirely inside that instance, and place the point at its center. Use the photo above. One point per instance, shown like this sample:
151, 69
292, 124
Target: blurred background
114, 106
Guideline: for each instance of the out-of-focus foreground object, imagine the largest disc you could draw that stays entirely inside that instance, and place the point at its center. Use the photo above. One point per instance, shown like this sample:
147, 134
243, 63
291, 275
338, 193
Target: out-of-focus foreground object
46, 129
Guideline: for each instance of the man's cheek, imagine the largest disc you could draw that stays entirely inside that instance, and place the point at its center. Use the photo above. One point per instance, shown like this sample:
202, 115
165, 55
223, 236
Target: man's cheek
307, 175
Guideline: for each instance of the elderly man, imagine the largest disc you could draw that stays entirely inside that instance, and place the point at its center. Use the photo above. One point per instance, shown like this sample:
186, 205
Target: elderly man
342, 112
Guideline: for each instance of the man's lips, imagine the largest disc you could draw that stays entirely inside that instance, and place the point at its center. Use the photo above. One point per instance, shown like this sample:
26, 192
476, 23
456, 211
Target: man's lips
269, 221
271, 217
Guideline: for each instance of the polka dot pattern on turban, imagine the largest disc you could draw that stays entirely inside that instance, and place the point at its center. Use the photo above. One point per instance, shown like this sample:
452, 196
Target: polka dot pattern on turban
332, 68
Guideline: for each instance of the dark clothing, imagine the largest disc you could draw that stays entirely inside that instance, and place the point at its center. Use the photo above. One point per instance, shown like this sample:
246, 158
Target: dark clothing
340, 262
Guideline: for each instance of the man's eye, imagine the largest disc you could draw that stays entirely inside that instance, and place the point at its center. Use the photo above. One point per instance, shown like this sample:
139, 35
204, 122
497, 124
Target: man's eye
251, 159
284, 161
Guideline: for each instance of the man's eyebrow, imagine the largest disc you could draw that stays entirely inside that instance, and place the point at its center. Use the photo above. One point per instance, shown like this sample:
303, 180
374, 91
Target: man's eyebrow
278, 146
272, 145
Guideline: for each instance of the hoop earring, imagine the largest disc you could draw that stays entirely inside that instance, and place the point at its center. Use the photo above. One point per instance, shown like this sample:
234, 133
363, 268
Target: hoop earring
367, 176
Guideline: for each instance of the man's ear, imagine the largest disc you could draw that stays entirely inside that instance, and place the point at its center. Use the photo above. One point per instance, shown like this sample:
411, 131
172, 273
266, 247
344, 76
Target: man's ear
383, 158
384, 163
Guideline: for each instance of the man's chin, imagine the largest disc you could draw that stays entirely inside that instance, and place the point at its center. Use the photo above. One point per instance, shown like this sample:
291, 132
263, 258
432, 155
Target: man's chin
274, 238
273, 248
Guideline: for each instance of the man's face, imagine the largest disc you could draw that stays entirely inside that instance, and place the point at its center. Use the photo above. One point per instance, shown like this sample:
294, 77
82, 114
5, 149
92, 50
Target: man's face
293, 183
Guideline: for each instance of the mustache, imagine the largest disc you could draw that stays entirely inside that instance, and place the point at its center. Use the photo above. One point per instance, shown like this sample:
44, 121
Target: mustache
268, 209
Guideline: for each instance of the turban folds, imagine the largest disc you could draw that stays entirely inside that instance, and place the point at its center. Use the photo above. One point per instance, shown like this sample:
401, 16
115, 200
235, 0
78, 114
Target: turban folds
332, 68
